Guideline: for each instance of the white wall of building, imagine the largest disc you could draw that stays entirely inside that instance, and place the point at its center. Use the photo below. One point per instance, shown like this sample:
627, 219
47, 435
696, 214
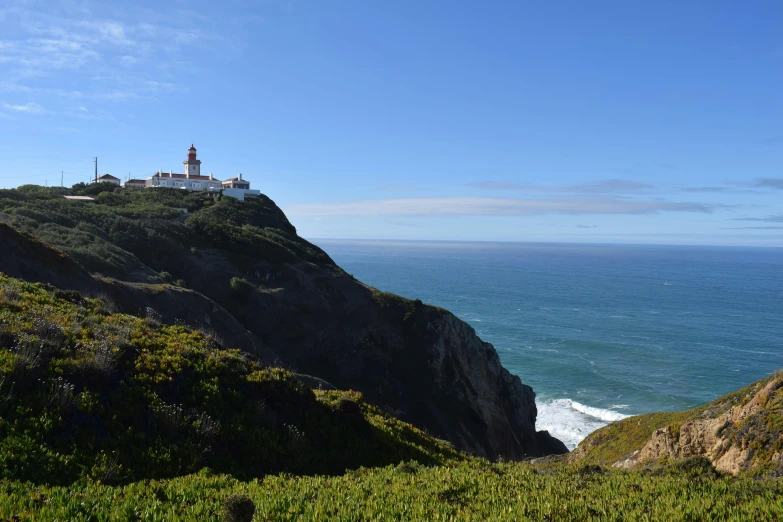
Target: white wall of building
240, 193
184, 183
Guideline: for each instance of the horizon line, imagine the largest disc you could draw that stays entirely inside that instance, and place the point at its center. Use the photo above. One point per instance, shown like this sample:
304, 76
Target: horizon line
521, 241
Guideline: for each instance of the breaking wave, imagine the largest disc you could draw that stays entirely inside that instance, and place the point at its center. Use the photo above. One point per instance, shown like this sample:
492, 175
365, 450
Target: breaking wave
571, 421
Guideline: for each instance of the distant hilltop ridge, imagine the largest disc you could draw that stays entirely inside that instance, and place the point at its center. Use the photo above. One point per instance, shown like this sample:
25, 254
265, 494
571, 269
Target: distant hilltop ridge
241, 271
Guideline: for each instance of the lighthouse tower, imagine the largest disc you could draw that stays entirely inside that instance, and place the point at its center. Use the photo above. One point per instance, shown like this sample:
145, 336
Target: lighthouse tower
192, 165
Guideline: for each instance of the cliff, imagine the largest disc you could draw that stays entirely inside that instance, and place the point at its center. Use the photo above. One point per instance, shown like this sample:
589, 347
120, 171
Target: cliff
738, 432
239, 269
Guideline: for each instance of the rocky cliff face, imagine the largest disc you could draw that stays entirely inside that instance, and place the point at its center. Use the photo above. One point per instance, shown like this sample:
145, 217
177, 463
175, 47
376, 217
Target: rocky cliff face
471, 368
263, 289
420, 363
722, 439
738, 432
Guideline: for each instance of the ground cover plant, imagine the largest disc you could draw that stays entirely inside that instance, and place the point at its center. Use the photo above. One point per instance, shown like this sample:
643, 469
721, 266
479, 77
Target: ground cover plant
470, 490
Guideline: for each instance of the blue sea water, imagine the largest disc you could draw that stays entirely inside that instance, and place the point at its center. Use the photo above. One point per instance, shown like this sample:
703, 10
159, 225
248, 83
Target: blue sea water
599, 331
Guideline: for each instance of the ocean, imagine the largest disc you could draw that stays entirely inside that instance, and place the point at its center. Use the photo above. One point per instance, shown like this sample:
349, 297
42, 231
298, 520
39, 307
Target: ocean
599, 331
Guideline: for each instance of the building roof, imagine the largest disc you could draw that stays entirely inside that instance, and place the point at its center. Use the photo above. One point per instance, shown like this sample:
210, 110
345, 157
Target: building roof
108, 176
192, 147
236, 179
135, 181
183, 176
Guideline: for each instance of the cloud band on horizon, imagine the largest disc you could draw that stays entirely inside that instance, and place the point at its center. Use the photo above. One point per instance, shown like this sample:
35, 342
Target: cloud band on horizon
483, 206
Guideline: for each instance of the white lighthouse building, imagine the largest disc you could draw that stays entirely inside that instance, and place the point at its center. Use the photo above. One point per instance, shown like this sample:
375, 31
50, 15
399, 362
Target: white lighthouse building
191, 179
192, 165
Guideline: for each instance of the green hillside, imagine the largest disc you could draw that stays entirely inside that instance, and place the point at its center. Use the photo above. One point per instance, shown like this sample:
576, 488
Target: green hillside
132, 234
119, 399
89, 394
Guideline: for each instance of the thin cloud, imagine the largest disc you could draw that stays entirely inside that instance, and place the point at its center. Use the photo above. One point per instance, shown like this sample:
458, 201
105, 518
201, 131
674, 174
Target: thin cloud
501, 185
398, 223
777, 218
480, 206
706, 189
53, 40
587, 226
769, 227
610, 186
774, 183
719, 190
128, 61
29, 108
616, 187
398, 189
109, 31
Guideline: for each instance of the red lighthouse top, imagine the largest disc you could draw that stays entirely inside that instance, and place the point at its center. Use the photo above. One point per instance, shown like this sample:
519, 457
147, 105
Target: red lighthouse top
192, 152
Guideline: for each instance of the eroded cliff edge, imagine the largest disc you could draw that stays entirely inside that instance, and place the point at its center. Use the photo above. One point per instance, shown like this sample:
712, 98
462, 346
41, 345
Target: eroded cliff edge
738, 432
241, 270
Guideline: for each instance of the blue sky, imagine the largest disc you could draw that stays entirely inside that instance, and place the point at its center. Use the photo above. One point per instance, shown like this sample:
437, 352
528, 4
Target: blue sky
644, 122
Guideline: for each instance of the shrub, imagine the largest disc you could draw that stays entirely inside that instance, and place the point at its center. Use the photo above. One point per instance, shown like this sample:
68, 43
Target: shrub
100, 364
695, 467
241, 288
238, 508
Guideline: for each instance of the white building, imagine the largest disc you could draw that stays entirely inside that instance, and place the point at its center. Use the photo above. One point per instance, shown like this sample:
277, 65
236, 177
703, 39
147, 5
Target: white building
135, 183
237, 183
190, 180
108, 178
193, 180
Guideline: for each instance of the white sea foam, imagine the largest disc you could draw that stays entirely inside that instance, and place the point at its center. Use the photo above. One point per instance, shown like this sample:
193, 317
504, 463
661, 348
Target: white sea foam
572, 421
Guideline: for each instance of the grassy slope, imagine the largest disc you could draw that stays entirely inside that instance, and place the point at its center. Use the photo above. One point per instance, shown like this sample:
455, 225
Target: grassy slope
472, 490
89, 394
135, 234
620, 439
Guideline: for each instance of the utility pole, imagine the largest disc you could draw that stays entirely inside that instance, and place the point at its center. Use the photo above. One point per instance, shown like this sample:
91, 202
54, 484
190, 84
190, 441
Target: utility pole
96, 169
61, 179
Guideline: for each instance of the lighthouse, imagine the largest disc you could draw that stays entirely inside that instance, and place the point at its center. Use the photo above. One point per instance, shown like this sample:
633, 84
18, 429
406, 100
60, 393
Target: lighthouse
192, 165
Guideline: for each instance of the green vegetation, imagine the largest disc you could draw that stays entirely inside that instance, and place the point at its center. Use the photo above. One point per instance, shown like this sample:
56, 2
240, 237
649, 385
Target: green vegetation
471, 490
107, 416
88, 394
131, 233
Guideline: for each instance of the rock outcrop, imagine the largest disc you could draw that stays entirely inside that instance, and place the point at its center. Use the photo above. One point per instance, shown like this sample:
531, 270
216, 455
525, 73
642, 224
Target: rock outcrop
712, 438
737, 432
